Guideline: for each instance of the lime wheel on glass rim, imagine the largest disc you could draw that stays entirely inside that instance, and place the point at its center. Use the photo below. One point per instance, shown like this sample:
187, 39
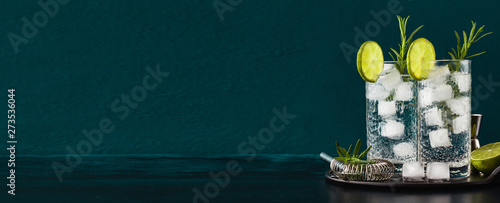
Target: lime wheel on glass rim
420, 55
370, 61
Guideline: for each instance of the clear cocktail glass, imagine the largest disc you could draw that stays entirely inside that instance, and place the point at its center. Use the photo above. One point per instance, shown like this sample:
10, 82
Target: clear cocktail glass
444, 105
391, 116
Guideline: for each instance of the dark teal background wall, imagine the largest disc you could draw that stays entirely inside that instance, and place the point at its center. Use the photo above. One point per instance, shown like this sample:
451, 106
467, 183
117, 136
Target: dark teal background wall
225, 76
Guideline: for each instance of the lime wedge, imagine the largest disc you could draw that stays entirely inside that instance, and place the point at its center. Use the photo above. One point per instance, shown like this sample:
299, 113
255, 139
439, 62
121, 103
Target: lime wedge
486, 158
370, 61
420, 54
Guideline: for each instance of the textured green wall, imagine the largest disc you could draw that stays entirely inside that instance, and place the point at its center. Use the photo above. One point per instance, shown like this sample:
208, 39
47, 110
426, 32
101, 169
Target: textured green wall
225, 77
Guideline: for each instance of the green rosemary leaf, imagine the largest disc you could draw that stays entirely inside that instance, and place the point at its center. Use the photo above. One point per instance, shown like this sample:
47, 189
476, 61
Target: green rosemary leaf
340, 158
458, 44
363, 154
452, 56
475, 54
464, 47
345, 152
479, 31
401, 26
394, 59
482, 36
454, 52
349, 150
397, 54
416, 30
356, 148
338, 150
471, 34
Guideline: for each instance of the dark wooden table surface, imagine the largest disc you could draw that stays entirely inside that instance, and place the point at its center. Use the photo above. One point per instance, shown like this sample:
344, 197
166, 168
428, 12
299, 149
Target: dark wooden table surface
164, 178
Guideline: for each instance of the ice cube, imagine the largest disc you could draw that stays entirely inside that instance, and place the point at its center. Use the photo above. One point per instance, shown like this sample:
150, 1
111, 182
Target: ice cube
390, 80
439, 138
439, 71
459, 106
425, 97
386, 109
393, 129
438, 76
403, 149
376, 92
461, 124
404, 92
463, 81
387, 68
438, 171
413, 170
442, 92
433, 117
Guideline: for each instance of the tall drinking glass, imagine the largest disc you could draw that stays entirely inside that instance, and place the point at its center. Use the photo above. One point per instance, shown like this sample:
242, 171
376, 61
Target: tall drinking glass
444, 105
391, 116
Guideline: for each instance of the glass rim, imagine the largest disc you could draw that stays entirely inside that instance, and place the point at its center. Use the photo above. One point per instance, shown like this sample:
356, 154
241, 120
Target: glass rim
440, 60
443, 60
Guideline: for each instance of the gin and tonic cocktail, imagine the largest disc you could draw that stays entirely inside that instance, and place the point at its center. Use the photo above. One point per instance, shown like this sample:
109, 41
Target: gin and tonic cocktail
444, 105
391, 116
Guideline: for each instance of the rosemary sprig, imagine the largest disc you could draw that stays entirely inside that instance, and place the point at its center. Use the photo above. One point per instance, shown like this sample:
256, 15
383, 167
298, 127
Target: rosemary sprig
405, 43
461, 52
347, 157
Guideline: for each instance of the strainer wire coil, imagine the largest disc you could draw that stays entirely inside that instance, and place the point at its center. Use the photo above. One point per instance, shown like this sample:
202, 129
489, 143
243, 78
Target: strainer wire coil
381, 170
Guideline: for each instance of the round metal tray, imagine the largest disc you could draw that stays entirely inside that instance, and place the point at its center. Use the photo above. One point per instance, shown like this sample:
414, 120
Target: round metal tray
475, 180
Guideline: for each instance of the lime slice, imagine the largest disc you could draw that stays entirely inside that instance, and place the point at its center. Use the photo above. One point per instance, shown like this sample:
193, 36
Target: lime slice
420, 54
486, 158
370, 61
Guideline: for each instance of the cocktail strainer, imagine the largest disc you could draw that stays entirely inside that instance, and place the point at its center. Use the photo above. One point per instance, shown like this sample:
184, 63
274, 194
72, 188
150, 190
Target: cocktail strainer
379, 170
